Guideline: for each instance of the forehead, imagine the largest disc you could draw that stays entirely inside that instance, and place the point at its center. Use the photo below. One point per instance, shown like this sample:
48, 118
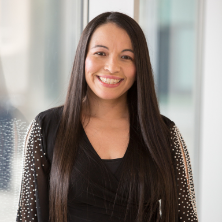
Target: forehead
111, 35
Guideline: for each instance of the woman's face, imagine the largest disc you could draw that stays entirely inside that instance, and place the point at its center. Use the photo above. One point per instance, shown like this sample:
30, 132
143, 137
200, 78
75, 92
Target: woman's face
110, 64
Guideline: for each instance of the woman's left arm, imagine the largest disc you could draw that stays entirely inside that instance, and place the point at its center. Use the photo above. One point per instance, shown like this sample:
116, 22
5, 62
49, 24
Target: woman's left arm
187, 210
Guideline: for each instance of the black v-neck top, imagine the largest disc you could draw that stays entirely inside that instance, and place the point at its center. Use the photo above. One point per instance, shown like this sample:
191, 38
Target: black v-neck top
113, 164
94, 192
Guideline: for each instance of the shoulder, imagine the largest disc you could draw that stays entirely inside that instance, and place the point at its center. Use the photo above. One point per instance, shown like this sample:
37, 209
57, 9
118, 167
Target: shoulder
167, 121
50, 115
49, 121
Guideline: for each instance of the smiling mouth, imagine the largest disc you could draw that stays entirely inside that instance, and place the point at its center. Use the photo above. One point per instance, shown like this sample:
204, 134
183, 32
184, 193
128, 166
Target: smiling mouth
109, 81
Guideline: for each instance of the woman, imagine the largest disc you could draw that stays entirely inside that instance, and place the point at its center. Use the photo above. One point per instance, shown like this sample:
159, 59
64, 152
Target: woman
107, 154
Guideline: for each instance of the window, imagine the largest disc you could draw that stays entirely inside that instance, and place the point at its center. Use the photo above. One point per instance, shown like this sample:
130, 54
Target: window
37, 46
171, 30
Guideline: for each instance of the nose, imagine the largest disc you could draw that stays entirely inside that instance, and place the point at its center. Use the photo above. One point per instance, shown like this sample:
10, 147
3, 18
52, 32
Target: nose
112, 65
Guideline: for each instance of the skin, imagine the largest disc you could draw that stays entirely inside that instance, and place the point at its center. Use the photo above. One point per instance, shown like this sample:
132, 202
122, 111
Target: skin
110, 53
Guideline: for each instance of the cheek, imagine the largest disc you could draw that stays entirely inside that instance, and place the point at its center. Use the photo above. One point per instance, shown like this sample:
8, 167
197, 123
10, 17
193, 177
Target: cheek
88, 65
92, 65
131, 72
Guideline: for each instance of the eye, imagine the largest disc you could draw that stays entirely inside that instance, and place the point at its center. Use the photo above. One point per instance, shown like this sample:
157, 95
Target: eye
100, 53
127, 57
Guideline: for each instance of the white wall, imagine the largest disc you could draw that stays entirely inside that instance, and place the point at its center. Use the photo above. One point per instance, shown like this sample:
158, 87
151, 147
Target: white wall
211, 135
97, 7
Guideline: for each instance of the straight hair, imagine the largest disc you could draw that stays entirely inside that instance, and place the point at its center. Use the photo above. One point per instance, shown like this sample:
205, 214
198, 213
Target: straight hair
145, 118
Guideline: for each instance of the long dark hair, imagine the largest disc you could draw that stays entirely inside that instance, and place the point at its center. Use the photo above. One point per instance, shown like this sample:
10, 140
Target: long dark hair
144, 117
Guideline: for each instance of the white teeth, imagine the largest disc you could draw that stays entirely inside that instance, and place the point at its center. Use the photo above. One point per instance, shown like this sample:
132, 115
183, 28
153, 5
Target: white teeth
109, 81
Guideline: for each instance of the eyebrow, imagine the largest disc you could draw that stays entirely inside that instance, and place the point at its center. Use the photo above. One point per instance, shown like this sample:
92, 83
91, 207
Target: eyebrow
124, 50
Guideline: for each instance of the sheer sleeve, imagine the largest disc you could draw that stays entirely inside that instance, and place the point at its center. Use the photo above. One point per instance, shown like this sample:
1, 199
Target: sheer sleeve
34, 196
185, 187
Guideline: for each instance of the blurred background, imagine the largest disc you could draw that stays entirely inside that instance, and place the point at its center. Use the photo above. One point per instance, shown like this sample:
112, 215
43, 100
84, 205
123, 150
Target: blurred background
38, 40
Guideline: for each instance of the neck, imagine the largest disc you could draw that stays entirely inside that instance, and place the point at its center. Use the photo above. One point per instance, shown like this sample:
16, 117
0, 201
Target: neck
106, 109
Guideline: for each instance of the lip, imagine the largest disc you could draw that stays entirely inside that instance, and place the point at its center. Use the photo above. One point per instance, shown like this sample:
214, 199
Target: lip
109, 85
110, 77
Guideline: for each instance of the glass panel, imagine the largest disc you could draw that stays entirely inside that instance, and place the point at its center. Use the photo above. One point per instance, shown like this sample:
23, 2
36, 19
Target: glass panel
38, 40
170, 27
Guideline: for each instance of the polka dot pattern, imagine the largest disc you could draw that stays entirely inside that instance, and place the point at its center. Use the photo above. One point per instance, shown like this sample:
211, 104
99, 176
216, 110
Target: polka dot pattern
35, 172
185, 187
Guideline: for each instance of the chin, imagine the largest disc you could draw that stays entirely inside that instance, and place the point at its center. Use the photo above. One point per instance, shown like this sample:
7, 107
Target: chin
108, 96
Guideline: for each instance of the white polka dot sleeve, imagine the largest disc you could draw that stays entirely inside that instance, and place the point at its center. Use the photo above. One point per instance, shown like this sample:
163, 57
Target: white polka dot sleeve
187, 210
34, 196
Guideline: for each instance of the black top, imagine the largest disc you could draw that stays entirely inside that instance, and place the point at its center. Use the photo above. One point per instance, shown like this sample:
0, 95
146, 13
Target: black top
94, 193
113, 164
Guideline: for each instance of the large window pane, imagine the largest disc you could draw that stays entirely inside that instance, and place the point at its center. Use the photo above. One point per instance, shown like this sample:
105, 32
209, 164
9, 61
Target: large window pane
170, 27
38, 40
